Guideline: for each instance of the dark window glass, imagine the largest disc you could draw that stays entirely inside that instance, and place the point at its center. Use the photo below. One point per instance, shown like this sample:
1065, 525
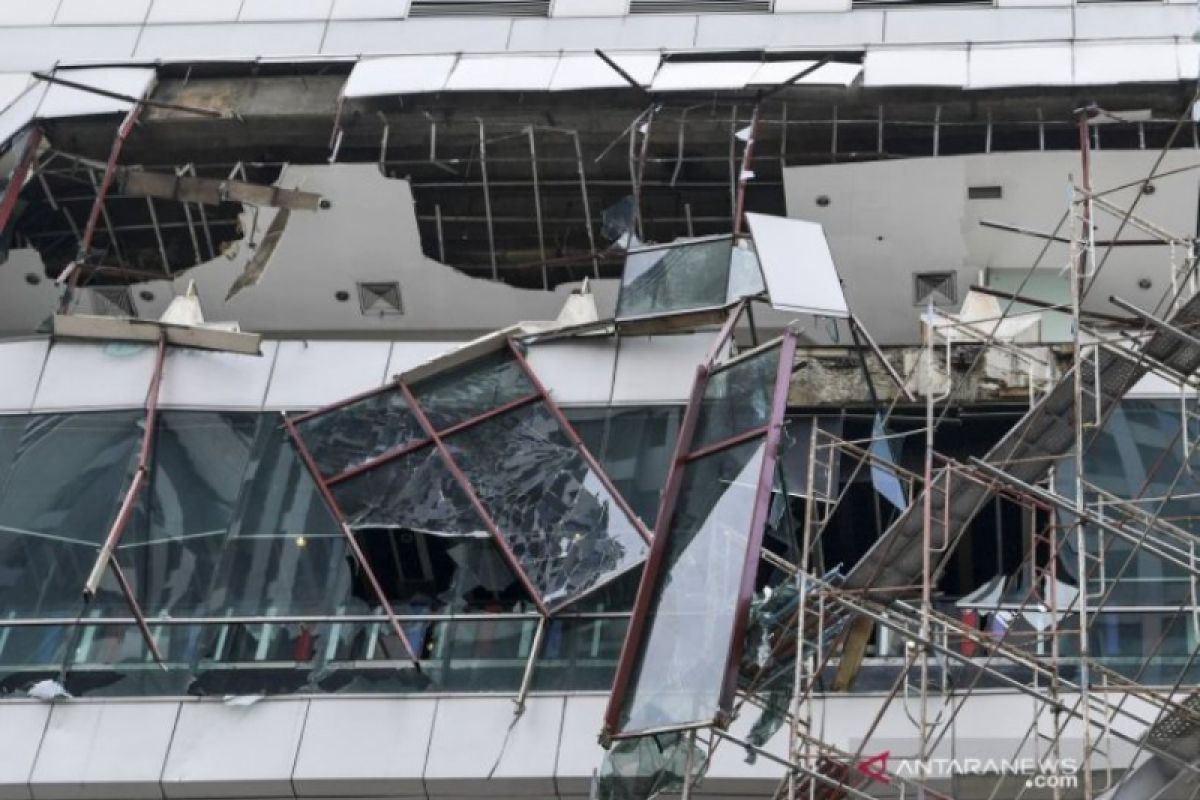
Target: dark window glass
458, 394
682, 277
345, 437
737, 398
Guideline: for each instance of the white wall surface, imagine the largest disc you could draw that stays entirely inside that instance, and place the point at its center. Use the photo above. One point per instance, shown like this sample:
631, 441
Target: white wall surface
403, 747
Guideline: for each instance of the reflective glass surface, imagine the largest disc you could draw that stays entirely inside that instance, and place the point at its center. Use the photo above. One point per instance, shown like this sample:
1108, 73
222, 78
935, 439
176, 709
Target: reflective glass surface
58, 498
345, 437
745, 277
561, 523
680, 666
634, 446
458, 394
737, 398
681, 277
416, 492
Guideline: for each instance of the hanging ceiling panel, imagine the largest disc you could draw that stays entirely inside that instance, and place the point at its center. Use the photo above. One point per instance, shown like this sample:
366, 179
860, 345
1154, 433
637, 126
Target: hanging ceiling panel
798, 266
373, 77
20, 112
683, 76
502, 73
916, 67
588, 71
773, 73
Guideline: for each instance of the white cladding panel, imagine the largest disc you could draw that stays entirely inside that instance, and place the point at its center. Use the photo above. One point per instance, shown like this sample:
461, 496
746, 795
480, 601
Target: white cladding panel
369, 9
21, 728
1019, 65
398, 75
675, 32
1125, 62
24, 12
205, 379
916, 67
104, 750
310, 374
284, 10
502, 73
702, 75
576, 372
95, 376
40, 48
64, 101
415, 36
242, 40
12, 86
406, 355
108, 12
164, 11
21, 365
659, 369
588, 71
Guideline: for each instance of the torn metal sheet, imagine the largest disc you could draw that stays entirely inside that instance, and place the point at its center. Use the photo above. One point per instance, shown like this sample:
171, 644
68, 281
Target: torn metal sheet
261, 259
679, 665
212, 191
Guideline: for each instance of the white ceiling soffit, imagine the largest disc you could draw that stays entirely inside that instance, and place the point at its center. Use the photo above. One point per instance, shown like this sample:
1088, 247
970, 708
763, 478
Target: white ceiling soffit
773, 73
588, 71
1126, 62
62, 101
12, 86
682, 76
502, 73
916, 67
797, 266
373, 77
1023, 65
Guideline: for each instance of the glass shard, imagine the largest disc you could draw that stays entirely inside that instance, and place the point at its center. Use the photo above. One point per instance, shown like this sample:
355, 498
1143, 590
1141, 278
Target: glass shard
745, 277
563, 526
416, 492
681, 277
459, 394
680, 669
345, 437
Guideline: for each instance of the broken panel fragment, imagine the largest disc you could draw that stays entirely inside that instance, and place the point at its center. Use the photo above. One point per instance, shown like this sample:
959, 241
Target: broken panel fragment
679, 665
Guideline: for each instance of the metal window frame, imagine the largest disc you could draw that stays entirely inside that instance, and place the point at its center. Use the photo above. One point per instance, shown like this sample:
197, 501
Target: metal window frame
651, 576
436, 438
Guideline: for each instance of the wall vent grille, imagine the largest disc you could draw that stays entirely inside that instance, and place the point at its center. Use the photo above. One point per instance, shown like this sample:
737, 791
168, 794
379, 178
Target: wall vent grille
479, 8
985, 192
379, 299
939, 287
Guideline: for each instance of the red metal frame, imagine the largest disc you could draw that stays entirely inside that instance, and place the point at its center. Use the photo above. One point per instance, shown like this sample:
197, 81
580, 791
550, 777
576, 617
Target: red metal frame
8, 201
107, 556
650, 573
359, 557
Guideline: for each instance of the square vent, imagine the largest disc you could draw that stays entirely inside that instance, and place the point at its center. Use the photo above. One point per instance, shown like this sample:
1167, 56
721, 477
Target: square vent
380, 299
112, 301
939, 287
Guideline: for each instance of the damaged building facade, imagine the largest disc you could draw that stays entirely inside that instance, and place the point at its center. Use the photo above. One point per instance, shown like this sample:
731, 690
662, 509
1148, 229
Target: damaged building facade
598, 398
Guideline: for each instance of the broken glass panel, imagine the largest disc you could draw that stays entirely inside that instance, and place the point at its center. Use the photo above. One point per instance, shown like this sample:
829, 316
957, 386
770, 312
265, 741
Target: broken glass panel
172, 545
679, 277
648, 766
745, 277
563, 526
467, 391
680, 669
343, 438
737, 398
416, 492
57, 501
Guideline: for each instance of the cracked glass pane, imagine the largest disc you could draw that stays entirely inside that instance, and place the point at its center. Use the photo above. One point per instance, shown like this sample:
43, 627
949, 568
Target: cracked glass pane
649, 766
680, 668
682, 277
564, 527
737, 398
464, 392
343, 438
415, 492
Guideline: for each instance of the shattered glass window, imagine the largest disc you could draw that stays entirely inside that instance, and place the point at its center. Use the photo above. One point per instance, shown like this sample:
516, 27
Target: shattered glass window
680, 277
680, 669
415, 492
459, 394
58, 498
345, 437
737, 398
564, 527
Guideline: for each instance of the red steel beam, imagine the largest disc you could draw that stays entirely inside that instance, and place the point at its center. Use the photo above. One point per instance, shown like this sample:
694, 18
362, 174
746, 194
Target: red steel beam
8, 201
